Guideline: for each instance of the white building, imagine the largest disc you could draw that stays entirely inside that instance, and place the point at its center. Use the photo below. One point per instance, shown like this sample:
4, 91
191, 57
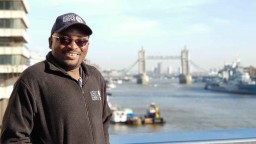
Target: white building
169, 70
14, 56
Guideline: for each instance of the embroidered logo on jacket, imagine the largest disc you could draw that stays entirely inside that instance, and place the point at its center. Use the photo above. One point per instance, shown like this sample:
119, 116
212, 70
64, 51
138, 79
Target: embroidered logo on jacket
95, 95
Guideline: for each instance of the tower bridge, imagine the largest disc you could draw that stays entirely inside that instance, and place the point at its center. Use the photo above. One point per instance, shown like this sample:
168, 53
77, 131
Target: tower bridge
185, 76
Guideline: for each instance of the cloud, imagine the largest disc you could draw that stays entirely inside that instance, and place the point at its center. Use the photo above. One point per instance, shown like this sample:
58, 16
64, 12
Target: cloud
199, 28
181, 5
195, 3
137, 27
77, 3
220, 21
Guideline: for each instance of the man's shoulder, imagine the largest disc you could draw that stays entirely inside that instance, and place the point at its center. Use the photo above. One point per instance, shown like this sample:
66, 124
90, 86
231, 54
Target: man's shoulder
32, 74
36, 67
91, 69
34, 70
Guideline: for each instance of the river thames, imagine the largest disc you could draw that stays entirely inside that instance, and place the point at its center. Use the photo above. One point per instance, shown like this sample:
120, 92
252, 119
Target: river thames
184, 107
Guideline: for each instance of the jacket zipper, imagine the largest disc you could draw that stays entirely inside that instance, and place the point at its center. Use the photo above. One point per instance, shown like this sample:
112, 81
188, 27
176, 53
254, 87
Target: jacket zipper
86, 109
85, 104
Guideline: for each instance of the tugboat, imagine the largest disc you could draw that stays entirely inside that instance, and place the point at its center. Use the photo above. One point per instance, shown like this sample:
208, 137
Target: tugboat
153, 115
128, 117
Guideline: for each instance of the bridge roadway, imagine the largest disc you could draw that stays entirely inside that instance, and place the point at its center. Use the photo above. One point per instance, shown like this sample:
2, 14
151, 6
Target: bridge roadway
233, 136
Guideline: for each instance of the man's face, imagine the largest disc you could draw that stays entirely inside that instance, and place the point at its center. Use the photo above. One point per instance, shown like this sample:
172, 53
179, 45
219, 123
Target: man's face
69, 47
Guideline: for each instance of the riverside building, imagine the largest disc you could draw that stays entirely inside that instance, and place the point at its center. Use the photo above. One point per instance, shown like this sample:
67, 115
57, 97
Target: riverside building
14, 55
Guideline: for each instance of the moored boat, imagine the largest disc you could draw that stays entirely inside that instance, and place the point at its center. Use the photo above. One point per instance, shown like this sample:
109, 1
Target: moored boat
125, 116
128, 117
232, 88
153, 115
232, 79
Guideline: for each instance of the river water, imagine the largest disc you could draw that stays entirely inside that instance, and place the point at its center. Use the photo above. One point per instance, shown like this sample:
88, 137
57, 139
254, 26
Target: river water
184, 107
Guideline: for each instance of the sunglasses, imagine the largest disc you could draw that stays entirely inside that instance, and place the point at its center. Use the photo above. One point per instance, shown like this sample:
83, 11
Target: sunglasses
65, 40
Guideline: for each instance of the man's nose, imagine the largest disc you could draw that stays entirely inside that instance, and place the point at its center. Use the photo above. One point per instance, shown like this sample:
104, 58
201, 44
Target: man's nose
73, 45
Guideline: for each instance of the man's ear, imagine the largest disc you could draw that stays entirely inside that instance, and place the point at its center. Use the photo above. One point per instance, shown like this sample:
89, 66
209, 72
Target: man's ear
50, 42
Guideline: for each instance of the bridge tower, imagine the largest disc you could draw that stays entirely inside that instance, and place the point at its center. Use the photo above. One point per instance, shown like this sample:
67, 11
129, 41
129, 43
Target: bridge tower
185, 77
142, 77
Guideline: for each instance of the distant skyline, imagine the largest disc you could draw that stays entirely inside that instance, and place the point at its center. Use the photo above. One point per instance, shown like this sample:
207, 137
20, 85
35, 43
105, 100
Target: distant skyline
215, 31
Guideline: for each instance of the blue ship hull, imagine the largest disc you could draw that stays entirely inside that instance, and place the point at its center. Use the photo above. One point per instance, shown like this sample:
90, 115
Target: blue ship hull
239, 89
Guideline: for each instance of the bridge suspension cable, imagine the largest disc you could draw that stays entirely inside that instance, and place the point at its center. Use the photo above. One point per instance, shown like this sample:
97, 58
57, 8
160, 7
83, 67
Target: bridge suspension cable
125, 70
198, 67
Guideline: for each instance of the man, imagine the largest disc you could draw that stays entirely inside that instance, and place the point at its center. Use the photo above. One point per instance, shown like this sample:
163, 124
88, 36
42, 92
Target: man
60, 100
153, 111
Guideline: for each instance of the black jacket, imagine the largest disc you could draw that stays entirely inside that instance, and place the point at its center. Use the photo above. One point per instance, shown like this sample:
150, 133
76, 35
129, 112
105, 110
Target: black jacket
47, 106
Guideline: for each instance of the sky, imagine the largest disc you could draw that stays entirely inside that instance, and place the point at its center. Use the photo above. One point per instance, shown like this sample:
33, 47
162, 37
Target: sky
216, 32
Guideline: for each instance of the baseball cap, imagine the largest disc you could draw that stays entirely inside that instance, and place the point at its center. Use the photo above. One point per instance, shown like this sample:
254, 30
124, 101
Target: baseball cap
66, 20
